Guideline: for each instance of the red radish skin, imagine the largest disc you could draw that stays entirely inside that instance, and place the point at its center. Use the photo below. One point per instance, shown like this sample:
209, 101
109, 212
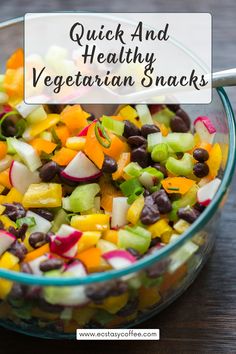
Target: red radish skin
6, 240
83, 179
85, 130
207, 123
119, 258
62, 244
206, 193
77, 267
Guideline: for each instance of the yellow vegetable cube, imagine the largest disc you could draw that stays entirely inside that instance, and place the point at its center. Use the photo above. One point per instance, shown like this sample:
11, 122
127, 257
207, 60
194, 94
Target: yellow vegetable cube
111, 236
135, 210
13, 196
47, 195
8, 260
160, 228
92, 222
2, 208
37, 128
75, 143
215, 159
113, 303
88, 239
7, 222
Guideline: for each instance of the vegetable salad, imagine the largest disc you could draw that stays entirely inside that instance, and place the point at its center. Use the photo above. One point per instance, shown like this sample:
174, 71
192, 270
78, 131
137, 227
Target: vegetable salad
81, 195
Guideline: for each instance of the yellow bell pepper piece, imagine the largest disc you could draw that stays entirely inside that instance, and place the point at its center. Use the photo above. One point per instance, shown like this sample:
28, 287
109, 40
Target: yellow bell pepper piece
148, 297
13, 196
48, 195
37, 128
8, 260
130, 114
162, 229
75, 143
6, 285
92, 222
113, 303
111, 236
215, 159
135, 210
7, 222
2, 208
88, 239
82, 315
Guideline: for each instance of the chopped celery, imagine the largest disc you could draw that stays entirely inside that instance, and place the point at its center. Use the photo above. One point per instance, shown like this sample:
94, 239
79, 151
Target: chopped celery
189, 198
30, 221
83, 197
180, 142
160, 152
46, 136
154, 139
10, 149
131, 187
183, 254
134, 237
133, 169
115, 126
37, 115
164, 116
182, 167
144, 114
150, 177
60, 218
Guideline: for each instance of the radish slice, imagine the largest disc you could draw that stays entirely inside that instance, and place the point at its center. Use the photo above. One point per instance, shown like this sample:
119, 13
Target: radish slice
205, 129
5, 163
77, 268
6, 240
119, 258
41, 224
119, 212
206, 193
27, 153
21, 177
81, 169
65, 243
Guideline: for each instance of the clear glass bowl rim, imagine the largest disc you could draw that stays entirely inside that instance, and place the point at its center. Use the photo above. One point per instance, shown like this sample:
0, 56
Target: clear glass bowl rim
165, 251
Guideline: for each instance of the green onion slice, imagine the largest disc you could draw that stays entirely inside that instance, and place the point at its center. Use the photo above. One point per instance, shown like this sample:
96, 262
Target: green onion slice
104, 140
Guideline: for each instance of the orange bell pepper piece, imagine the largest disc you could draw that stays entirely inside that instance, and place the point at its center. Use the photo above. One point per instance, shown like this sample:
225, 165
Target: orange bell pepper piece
123, 161
215, 159
3, 149
63, 133
91, 258
37, 253
64, 156
4, 178
93, 149
13, 82
75, 118
43, 145
117, 147
16, 60
177, 184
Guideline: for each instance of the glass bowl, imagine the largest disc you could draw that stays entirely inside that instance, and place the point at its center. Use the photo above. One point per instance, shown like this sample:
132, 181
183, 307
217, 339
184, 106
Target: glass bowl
138, 292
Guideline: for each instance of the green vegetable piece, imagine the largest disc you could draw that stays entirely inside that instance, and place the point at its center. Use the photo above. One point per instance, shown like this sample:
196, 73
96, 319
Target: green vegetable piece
131, 186
160, 152
182, 167
113, 125
180, 142
188, 199
60, 218
30, 221
133, 169
153, 140
164, 116
82, 198
135, 237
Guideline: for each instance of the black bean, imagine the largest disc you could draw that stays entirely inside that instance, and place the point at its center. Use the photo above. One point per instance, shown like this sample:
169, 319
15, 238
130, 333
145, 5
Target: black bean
17, 291
199, 207
51, 264
201, 169
56, 108
8, 127
14, 211
182, 114
141, 156
155, 241
173, 107
48, 171
45, 306
150, 213
201, 155
91, 117
49, 234
188, 214
22, 231
160, 168
134, 252
120, 288
13, 231
130, 129
109, 165
137, 140
147, 129
129, 308
177, 124
97, 292
157, 269
45, 213
18, 249
25, 268
146, 193
37, 239
162, 201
